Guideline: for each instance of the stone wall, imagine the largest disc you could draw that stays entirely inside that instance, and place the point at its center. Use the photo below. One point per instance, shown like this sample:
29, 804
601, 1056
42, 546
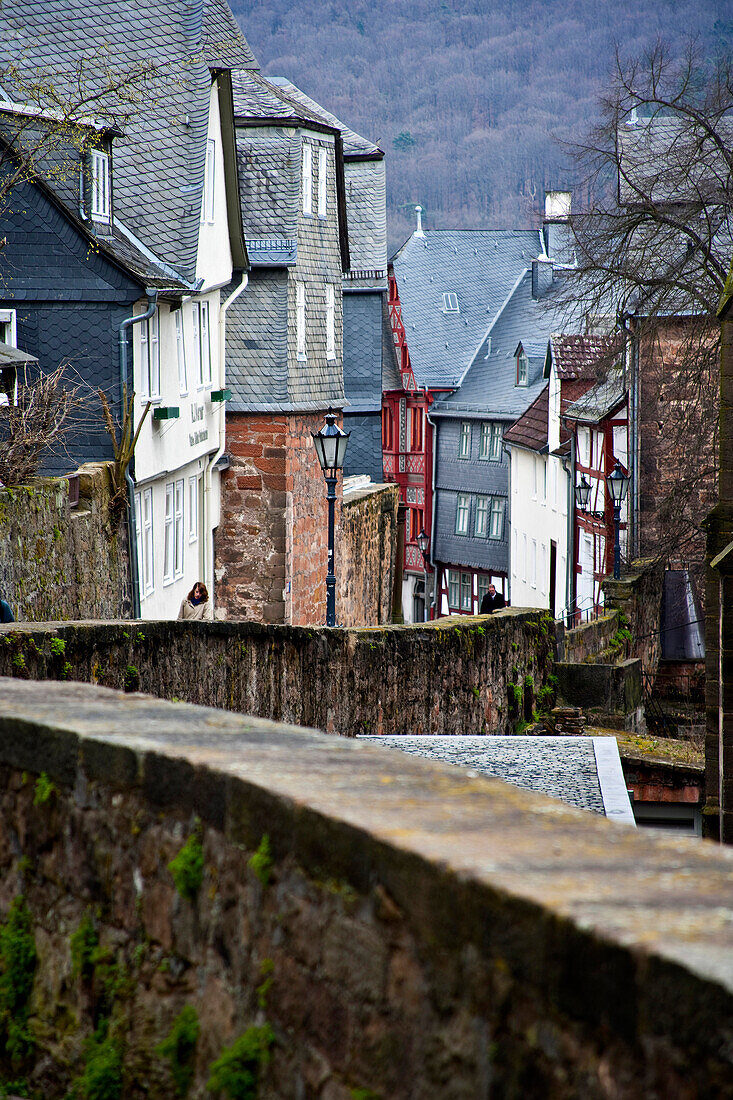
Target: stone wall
366, 555
609, 694
589, 639
639, 596
58, 562
462, 675
391, 928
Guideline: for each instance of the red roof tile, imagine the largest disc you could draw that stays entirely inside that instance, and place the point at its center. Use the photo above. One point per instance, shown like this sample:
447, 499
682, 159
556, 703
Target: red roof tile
583, 357
531, 428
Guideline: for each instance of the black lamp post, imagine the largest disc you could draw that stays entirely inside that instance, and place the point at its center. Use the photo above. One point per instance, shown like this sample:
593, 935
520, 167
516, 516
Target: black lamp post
330, 445
423, 541
618, 487
582, 494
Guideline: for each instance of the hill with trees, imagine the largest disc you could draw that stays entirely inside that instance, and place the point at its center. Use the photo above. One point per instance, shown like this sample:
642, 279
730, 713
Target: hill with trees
470, 102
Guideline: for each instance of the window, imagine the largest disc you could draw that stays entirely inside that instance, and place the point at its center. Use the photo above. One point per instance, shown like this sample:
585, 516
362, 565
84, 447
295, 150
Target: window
454, 588
496, 522
450, 303
330, 322
416, 428
300, 320
464, 446
202, 344
178, 528
168, 549
307, 179
193, 509
322, 183
100, 185
522, 368
481, 518
466, 592
207, 206
144, 539
490, 442
150, 359
387, 428
584, 446
482, 582
181, 353
9, 374
533, 563
463, 511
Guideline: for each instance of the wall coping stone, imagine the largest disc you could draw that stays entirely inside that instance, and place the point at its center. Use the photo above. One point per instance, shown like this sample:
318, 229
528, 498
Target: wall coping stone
558, 893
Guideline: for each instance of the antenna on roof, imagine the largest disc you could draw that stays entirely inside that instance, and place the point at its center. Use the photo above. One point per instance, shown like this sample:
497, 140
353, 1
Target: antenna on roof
419, 232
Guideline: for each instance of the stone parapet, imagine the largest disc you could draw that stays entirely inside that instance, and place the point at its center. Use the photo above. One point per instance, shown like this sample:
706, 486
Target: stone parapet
609, 695
405, 930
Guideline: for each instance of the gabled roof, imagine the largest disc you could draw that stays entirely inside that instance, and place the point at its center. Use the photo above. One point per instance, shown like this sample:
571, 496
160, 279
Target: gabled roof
580, 357
481, 267
531, 429
355, 146
258, 100
600, 400
159, 162
489, 387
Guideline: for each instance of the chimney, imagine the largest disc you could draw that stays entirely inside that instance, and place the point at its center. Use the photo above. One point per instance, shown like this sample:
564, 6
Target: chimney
419, 231
541, 277
556, 227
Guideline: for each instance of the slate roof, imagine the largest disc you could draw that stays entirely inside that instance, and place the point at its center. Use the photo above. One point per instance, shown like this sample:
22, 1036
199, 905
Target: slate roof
269, 182
531, 429
579, 357
600, 400
489, 387
480, 266
159, 162
258, 99
257, 344
355, 146
584, 771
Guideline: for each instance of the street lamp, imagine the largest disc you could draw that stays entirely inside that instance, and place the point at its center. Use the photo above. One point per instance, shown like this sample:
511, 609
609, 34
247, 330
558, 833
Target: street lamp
618, 487
330, 445
582, 494
423, 541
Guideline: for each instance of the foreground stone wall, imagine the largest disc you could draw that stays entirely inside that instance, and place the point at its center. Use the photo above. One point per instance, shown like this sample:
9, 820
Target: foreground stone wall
58, 562
405, 930
366, 555
462, 675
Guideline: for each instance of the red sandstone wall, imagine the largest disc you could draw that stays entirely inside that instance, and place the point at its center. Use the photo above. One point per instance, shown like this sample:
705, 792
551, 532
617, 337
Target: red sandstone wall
307, 524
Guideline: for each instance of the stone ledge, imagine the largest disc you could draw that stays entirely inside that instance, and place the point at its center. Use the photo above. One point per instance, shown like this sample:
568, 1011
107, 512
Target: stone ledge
630, 934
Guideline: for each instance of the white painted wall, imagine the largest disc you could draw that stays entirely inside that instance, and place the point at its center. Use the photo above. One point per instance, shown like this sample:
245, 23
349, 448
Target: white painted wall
538, 517
214, 258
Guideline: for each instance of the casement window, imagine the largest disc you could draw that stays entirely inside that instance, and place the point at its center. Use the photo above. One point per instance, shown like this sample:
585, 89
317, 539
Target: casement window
168, 535
178, 530
207, 204
454, 588
496, 521
202, 344
464, 444
300, 320
482, 584
322, 182
522, 368
181, 353
533, 563
307, 186
450, 303
193, 509
330, 322
100, 186
466, 592
387, 428
150, 359
481, 517
144, 540
416, 428
415, 523
490, 442
584, 447
463, 512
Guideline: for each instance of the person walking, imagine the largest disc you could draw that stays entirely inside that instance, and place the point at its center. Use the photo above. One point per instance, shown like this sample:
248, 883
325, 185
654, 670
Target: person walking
196, 604
492, 601
6, 612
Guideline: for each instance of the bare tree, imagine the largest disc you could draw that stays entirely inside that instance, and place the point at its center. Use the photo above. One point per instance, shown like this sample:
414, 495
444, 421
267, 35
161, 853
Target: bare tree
35, 422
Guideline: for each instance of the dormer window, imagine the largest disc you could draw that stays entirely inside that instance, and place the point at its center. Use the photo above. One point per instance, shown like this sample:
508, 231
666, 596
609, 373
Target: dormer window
450, 303
100, 185
522, 367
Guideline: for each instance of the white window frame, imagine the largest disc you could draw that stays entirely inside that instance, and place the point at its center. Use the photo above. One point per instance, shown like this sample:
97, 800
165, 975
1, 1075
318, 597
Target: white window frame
300, 321
481, 517
150, 359
207, 205
463, 513
178, 519
497, 439
307, 175
202, 344
454, 588
193, 508
496, 518
322, 181
168, 535
482, 588
181, 352
464, 441
450, 302
145, 562
8, 319
466, 591
100, 203
330, 321
522, 369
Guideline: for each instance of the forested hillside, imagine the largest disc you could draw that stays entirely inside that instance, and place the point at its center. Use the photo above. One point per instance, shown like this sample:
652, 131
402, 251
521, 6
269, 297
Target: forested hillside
467, 98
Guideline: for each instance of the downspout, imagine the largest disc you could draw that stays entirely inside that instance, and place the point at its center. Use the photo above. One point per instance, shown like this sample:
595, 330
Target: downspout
570, 562
152, 296
434, 435
208, 473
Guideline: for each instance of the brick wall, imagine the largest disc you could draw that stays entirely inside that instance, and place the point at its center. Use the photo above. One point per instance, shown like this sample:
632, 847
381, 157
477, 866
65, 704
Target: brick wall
366, 556
411, 930
307, 524
58, 562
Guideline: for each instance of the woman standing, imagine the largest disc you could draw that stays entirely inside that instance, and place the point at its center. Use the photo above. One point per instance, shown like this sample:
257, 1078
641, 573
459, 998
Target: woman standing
196, 604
